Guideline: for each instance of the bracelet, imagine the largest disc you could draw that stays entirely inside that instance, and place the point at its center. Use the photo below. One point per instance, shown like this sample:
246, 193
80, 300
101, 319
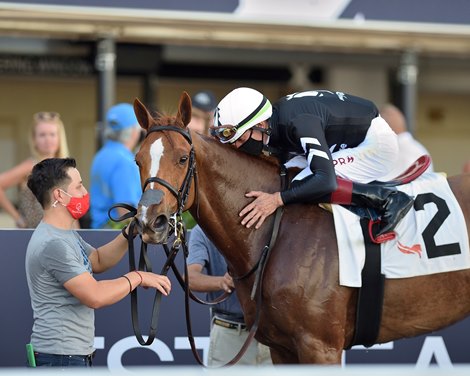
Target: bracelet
130, 284
140, 275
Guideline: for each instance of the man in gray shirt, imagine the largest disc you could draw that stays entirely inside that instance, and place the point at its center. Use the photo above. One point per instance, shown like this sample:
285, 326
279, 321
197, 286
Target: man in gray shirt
207, 271
60, 266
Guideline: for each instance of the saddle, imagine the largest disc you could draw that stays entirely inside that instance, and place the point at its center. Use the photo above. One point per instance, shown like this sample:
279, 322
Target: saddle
411, 173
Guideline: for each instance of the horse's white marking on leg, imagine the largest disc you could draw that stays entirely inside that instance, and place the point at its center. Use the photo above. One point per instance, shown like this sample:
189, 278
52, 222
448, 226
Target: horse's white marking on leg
156, 153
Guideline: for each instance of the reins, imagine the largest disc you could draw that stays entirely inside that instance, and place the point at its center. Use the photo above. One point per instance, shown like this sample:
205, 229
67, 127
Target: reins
179, 230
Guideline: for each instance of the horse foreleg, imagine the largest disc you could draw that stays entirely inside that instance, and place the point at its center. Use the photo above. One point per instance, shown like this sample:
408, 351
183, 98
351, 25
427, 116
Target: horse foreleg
283, 357
308, 353
315, 351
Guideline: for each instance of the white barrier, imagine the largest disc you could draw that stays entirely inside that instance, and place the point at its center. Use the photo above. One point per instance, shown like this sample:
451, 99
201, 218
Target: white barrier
384, 370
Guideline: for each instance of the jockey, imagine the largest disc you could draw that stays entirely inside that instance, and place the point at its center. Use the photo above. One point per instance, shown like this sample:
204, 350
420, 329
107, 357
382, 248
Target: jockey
340, 140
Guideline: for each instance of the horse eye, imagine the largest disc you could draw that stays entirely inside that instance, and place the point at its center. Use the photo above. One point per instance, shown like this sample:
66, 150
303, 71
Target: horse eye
183, 160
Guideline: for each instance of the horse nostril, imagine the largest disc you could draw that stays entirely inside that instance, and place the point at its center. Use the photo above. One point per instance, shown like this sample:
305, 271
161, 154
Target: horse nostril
160, 223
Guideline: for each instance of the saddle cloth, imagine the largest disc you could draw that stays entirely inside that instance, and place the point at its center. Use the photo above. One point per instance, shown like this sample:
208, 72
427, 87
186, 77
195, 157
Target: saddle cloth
431, 238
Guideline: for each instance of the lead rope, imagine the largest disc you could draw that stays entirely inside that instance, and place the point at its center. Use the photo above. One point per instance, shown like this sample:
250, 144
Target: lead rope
180, 234
144, 264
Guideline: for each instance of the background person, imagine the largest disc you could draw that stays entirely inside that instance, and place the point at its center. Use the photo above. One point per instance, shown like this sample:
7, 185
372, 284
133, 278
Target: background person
60, 266
46, 140
114, 174
409, 148
202, 115
207, 272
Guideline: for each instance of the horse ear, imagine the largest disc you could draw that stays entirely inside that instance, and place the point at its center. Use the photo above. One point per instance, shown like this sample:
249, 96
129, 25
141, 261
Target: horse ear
184, 109
143, 116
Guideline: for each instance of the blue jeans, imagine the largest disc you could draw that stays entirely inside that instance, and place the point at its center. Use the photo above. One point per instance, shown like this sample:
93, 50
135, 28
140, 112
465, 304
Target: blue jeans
54, 360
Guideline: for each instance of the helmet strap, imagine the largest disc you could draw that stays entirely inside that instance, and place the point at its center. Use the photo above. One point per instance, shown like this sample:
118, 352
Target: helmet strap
270, 150
263, 130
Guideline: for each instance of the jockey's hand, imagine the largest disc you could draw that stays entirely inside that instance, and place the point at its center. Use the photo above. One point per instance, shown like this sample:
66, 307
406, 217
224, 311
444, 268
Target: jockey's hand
263, 206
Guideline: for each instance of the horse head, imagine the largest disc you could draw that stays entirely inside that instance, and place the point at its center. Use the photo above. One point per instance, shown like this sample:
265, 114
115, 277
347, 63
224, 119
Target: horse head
166, 164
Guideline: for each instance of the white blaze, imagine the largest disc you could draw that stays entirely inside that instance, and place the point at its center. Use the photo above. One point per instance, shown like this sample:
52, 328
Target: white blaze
156, 153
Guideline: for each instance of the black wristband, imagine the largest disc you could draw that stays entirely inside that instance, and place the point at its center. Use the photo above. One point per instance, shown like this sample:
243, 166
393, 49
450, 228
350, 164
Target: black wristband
130, 284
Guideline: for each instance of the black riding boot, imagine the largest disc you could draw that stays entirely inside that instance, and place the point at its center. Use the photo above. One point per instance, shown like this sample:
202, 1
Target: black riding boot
391, 204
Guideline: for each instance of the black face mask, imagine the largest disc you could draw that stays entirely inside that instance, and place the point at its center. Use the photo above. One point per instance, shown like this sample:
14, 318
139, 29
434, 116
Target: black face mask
252, 147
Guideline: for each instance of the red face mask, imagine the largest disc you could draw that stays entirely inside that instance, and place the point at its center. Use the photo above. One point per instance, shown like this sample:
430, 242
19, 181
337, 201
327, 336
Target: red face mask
78, 206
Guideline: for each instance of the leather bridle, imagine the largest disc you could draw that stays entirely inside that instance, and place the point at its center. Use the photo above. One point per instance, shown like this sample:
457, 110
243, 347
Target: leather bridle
182, 193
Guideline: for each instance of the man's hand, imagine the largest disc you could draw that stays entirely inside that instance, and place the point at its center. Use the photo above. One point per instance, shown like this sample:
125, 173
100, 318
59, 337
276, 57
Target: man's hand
263, 206
156, 281
135, 232
226, 283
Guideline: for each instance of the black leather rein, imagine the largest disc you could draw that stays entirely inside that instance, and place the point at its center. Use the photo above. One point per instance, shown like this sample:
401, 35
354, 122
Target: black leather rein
178, 228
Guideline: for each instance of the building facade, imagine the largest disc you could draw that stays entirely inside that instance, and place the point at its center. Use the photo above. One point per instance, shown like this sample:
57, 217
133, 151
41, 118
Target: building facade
78, 60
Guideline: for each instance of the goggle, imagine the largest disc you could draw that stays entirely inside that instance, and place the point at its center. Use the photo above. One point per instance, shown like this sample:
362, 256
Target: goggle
224, 132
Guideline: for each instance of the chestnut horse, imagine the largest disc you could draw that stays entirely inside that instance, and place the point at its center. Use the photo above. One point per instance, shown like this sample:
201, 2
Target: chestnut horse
305, 316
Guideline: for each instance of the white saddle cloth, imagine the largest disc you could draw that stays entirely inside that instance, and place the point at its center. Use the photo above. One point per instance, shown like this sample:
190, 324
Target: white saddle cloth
444, 248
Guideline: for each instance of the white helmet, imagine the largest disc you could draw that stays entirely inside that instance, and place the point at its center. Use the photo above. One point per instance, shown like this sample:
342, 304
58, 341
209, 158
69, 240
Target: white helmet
238, 111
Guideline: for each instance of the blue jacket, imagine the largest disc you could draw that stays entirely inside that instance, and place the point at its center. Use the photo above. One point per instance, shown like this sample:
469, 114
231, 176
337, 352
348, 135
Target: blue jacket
114, 179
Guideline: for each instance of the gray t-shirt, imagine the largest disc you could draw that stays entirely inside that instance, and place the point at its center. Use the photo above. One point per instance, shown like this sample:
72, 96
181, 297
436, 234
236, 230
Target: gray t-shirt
62, 324
203, 252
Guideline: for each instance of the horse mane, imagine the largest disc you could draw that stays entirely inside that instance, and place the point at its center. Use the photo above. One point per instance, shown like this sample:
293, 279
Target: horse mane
239, 171
161, 119
234, 154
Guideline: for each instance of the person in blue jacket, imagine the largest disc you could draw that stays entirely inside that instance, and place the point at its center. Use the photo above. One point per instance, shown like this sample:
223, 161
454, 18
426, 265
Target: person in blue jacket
114, 174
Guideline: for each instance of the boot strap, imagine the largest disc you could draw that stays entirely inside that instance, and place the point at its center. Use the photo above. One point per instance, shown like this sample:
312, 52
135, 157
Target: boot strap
342, 194
381, 238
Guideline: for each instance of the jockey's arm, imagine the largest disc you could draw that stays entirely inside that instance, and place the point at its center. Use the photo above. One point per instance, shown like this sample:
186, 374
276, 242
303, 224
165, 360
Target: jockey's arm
314, 186
319, 178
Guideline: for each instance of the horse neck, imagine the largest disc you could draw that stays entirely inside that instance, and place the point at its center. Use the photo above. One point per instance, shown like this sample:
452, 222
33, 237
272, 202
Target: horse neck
224, 175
